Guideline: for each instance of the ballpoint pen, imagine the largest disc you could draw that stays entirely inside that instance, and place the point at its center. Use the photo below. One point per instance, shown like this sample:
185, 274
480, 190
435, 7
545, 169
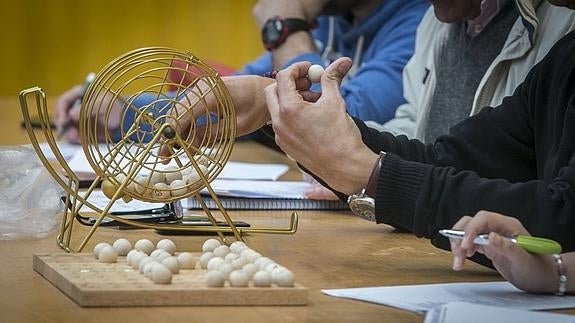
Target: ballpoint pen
531, 244
62, 130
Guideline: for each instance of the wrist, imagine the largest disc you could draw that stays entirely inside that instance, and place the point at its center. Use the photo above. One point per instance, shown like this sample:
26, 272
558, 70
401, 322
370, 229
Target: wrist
371, 187
561, 274
296, 44
277, 30
355, 176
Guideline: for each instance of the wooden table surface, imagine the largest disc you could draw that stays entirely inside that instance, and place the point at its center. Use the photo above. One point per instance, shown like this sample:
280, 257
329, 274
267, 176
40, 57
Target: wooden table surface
330, 250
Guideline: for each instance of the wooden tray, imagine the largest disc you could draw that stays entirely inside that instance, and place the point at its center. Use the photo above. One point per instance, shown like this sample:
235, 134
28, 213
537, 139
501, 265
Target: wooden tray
91, 283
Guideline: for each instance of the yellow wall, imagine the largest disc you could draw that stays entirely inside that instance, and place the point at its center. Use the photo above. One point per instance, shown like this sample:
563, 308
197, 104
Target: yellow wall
55, 43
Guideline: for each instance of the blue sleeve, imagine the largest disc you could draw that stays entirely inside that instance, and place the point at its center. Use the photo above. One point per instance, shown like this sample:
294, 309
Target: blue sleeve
260, 66
376, 91
143, 101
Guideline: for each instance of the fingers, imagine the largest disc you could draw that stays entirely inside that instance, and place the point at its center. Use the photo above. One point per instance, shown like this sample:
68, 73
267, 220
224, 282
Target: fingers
310, 96
72, 135
333, 75
500, 250
286, 79
459, 252
272, 101
303, 84
318, 192
485, 222
66, 102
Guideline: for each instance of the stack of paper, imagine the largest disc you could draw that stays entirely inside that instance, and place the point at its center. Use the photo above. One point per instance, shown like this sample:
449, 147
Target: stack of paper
422, 298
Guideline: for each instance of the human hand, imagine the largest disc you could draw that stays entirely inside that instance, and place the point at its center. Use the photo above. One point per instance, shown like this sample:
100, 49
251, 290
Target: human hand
68, 111
305, 9
247, 99
529, 272
106, 108
320, 192
315, 128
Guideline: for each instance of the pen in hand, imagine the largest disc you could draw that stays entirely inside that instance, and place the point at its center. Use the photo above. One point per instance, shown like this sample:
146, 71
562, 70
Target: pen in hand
70, 123
531, 244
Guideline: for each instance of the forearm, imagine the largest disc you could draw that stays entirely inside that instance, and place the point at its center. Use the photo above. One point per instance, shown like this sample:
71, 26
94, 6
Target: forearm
247, 90
249, 102
296, 44
425, 198
407, 149
423, 194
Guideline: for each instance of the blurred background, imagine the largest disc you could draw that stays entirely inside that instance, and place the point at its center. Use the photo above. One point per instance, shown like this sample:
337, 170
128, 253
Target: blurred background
55, 43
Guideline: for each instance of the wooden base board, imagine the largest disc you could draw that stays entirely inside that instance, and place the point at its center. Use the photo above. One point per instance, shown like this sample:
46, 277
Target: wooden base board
91, 283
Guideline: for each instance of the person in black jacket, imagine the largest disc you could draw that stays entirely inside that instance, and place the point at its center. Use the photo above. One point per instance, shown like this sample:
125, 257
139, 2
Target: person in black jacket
517, 159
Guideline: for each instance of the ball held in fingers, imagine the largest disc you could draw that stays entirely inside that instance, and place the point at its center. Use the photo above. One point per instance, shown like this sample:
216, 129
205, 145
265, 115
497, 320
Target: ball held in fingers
314, 73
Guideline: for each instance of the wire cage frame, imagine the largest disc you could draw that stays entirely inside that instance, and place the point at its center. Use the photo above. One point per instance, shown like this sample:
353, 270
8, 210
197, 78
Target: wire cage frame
147, 101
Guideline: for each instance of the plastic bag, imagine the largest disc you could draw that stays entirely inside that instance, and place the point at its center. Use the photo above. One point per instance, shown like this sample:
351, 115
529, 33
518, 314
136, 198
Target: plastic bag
29, 196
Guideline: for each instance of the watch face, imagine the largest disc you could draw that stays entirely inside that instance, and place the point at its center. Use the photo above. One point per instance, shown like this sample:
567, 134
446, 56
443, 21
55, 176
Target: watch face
272, 32
363, 207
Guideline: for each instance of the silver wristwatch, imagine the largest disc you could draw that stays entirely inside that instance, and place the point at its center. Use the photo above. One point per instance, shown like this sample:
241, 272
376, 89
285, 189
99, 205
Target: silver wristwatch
362, 205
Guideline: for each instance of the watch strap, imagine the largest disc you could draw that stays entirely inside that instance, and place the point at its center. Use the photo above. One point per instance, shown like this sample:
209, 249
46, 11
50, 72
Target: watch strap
371, 188
288, 27
296, 24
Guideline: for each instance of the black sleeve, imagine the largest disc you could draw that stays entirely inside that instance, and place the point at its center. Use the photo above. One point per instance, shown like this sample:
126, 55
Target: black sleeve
516, 159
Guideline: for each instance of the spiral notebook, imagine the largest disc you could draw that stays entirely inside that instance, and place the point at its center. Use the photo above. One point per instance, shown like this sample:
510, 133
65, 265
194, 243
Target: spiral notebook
263, 195
246, 203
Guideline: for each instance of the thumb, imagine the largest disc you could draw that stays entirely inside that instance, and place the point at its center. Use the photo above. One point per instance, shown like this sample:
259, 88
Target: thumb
334, 74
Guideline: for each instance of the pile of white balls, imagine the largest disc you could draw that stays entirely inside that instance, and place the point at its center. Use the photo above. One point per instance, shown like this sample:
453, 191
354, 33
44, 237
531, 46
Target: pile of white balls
162, 184
239, 265
157, 262
236, 264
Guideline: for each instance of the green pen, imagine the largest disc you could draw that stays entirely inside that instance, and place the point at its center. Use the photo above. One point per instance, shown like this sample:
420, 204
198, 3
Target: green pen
531, 244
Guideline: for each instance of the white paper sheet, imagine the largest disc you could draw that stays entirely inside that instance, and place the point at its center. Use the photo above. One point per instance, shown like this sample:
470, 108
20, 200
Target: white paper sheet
100, 200
232, 170
421, 298
458, 312
67, 150
252, 171
260, 189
